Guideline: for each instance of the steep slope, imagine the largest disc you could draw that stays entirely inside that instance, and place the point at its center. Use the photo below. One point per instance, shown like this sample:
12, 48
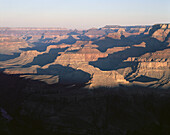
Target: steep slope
160, 31
27, 57
153, 65
79, 61
108, 56
145, 62
153, 68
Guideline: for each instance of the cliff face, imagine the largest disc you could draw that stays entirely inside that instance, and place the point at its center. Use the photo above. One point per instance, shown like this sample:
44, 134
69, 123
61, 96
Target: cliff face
154, 69
102, 78
109, 56
153, 65
145, 62
158, 72
160, 31
82, 56
79, 60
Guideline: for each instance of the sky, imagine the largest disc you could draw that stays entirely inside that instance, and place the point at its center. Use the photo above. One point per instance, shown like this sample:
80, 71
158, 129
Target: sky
82, 14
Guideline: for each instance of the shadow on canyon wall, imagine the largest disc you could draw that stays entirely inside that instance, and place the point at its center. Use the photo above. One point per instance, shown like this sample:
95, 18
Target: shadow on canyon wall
67, 75
115, 61
41, 45
46, 58
4, 57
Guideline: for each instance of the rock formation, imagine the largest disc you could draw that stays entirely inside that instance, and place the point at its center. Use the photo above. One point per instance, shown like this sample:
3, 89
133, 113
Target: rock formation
108, 56
160, 31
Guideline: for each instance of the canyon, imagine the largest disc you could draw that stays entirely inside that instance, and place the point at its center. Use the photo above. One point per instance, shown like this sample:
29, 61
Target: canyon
109, 80
110, 56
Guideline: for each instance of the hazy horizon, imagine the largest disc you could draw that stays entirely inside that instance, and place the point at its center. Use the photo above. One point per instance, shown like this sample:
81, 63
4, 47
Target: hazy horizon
52, 27
78, 14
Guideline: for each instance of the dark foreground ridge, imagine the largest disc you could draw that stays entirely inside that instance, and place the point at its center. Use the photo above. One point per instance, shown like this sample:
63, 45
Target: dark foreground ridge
34, 108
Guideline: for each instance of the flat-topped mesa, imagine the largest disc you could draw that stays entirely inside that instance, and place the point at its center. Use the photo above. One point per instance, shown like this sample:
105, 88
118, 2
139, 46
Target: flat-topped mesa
160, 31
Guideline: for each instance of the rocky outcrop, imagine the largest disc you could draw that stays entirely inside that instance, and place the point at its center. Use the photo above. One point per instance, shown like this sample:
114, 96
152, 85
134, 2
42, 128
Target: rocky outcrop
160, 31
118, 55
79, 61
102, 78
158, 70
152, 65
82, 56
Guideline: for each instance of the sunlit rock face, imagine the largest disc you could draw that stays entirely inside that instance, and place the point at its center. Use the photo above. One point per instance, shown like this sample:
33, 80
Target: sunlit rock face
153, 65
110, 56
160, 31
79, 60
